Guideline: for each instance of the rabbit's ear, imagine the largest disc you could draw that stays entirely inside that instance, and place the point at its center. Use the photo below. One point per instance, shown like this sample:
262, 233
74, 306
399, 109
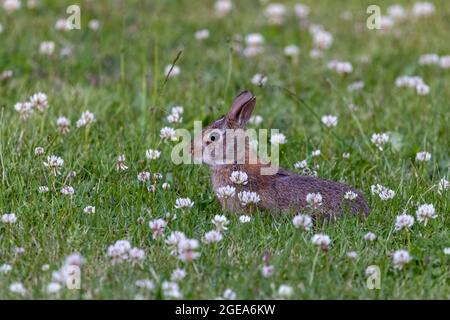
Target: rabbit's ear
242, 108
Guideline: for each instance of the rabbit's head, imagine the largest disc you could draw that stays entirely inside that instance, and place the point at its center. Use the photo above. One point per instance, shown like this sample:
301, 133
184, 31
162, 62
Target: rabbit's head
211, 147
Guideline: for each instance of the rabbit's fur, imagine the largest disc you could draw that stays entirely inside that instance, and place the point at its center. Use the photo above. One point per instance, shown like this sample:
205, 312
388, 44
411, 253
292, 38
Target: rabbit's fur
283, 191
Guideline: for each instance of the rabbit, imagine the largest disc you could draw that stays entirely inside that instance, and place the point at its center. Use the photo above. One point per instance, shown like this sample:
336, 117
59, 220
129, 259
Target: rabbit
281, 192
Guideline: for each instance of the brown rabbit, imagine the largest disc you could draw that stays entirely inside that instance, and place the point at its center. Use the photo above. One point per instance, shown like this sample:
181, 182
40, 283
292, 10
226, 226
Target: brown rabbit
283, 191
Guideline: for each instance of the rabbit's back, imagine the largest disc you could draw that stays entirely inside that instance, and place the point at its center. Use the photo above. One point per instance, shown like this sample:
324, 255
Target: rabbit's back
290, 191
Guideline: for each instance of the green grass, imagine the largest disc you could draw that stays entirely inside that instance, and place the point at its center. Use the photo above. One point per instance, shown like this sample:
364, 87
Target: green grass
117, 73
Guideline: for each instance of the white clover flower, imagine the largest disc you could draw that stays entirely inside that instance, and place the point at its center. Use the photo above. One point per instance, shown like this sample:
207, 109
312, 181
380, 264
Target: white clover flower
292, 51
63, 125
323, 241
379, 140
301, 164
383, 192
220, 222
255, 120
350, 195
120, 163
322, 39
39, 101
278, 138
89, 210
66, 51
303, 221
352, 255
136, 255
408, 81
74, 259
165, 186
94, 25
47, 48
11, 5
447, 251
25, 109
248, 198
422, 89
5, 268
341, 67
355, 86
171, 71
119, 251
9, 218
54, 163
275, 13
152, 154
177, 110
157, 226
223, 7
425, 212
423, 9
396, 12
254, 45
244, 219
229, 294
187, 250
62, 25
167, 133
316, 153
386, 22
178, 274
400, 258
212, 236
404, 221
143, 176
18, 288
370, 236
423, 156
267, 271
329, 121
174, 118
259, 79
39, 151
145, 284
285, 291
173, 240
301, 10
429, 58
239, 177
171, 290
444, 62
202, 34
19, 250
254, 39
225, 192
443, 185
182, 203
314, 200
346, 155
43, 189
7, 74
86, 118
67, 191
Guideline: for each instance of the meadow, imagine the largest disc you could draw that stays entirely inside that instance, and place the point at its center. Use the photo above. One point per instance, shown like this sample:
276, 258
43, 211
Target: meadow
86, 133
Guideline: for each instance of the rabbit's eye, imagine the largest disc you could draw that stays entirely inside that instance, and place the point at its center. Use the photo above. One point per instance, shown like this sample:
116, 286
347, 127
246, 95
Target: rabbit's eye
214, 136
